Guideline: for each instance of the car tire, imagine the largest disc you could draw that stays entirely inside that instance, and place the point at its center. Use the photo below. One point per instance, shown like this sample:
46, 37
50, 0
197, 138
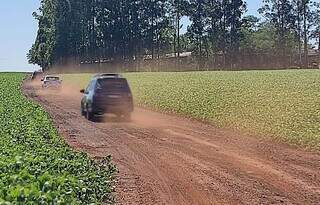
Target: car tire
83, 113
89, 115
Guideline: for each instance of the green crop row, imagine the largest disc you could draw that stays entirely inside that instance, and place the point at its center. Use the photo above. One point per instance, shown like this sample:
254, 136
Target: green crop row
36, 165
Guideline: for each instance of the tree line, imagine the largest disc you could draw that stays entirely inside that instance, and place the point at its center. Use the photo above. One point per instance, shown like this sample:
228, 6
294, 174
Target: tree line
220, 35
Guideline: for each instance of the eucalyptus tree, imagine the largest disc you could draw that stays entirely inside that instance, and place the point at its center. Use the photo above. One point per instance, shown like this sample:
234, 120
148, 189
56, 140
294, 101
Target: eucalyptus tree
298, 8
234, 21
177, 9
214, 14
77, 31
302, 14
316, 26
197, 28
280, 14
43, 50
307, 18
250, 27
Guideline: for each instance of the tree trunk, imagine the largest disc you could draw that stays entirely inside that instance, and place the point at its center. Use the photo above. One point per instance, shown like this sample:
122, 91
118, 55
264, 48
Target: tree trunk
282, 40
152, 35
174, 43
223, 26
158, 41
299, 32
178, 28
319, 50
305, 34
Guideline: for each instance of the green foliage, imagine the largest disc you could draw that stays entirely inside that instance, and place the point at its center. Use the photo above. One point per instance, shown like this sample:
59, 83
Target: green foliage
77, 31
121, 30
82, 32
282, 104
36, 165
292, 20
316, 24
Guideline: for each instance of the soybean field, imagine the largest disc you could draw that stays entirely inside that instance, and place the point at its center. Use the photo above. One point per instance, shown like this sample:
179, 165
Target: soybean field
36, 165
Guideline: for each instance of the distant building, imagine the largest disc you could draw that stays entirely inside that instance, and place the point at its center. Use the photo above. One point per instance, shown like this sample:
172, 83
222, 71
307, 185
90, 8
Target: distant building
183, 54
314, 60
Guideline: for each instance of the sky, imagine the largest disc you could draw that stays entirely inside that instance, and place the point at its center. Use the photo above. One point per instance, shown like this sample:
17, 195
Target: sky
18, 31
19, 28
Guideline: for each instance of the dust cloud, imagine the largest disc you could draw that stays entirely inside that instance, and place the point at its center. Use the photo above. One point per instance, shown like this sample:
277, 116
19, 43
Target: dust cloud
71, 92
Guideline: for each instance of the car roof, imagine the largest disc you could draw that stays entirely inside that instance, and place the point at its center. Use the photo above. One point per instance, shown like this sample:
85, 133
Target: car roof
51, 76
109, 75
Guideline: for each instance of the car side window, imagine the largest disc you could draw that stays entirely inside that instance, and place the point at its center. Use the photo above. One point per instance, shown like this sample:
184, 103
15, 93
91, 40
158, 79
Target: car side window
93, 85
90, 86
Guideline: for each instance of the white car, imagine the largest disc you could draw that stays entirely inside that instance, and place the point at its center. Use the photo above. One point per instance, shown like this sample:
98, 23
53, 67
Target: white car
50, 81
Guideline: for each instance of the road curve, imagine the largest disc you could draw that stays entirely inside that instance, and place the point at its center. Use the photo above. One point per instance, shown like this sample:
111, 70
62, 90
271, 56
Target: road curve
166, 159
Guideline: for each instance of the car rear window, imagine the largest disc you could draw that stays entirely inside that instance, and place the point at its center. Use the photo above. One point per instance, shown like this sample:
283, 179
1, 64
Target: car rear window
113, 84
52, 78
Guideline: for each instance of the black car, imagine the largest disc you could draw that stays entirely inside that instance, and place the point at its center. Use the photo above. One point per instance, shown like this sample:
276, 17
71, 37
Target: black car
107, 94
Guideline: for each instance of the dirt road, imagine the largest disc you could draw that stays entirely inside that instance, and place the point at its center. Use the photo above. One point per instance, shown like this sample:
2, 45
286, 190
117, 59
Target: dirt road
170, 160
